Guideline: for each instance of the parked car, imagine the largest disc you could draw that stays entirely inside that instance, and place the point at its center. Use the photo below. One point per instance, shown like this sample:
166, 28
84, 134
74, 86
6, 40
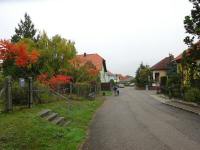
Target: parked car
121, 86
127, 84
132, 84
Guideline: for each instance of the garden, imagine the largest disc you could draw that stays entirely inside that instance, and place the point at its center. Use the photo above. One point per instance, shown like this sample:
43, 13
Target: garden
39, 72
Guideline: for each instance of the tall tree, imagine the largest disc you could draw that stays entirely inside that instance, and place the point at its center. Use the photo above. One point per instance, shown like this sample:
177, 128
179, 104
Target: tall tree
192, 27
143, 74
192, 23
26, 29
56, 52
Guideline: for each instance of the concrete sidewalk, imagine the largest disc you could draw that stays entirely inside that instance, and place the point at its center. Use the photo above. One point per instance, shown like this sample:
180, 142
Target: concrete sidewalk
191, 107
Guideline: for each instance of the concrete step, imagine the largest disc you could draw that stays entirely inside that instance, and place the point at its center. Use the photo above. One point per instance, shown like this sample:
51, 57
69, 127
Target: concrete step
66, 123
51, 116
44, 113
58, 120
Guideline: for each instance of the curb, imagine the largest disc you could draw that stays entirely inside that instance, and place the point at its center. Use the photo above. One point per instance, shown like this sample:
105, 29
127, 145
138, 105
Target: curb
197, 113
167, 102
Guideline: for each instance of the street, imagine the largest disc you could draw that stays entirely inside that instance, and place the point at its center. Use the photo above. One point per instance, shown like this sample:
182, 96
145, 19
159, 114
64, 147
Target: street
135, 121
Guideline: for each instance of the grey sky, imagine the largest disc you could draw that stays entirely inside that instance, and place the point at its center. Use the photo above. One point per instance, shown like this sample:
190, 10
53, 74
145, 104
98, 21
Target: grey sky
124, 32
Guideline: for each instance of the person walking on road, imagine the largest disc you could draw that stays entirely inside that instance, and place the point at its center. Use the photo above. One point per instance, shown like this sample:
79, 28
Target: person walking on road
116, 90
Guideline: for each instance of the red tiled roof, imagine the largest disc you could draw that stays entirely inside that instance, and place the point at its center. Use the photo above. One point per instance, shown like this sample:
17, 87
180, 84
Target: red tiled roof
95, 59
179, 57
122, 78
163, 64
110, 73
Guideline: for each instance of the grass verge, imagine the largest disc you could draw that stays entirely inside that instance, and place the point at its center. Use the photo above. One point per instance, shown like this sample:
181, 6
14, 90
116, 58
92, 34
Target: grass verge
24, 129
107, 93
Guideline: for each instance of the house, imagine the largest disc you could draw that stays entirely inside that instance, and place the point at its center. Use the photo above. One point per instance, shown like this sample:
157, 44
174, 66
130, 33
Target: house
98, 61
111, 76
185, 73
126, 79
159, 70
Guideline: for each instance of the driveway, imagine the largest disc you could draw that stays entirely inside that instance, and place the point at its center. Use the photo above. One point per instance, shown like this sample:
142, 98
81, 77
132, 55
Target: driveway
136, 121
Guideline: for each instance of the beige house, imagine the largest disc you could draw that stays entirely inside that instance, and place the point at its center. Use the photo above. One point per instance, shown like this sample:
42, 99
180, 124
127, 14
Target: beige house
159, 70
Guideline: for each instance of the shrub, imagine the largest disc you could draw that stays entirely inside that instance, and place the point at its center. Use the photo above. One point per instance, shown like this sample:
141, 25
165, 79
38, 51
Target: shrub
54, 82
81, 89
42, 94
19, 94
192, 95
2, 81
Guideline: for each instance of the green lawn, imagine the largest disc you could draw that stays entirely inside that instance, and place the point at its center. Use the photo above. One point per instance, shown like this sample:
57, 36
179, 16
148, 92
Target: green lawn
24, 129
107, 93
1, 105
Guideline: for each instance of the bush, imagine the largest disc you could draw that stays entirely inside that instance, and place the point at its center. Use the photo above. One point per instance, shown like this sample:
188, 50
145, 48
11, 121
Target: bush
192, 95
82, 89
2, 80
42, 94
19, 94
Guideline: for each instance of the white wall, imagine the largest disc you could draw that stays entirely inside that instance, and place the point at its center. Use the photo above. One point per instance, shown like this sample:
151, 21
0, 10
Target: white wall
104, 76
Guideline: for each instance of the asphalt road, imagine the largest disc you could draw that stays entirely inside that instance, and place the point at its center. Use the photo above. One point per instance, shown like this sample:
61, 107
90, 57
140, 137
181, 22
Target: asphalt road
136, 121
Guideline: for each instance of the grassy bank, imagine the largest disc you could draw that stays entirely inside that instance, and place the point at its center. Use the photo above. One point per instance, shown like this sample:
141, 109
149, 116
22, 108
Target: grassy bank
25, 130
107, 93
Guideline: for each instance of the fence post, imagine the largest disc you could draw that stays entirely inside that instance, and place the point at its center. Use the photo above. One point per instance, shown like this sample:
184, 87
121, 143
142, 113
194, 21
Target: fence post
8, 91
78, 91
70, 87
30, 92
95, 89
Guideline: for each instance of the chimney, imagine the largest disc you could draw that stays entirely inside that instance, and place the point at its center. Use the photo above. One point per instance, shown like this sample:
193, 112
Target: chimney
84, 54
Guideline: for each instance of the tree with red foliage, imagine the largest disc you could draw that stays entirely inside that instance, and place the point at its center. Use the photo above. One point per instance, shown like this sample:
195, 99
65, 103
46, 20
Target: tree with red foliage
83, 72
55, 81
59, 80
17, 60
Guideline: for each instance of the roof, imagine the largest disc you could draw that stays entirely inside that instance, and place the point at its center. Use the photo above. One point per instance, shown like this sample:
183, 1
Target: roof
188, 52
163, 64
95, 59
110, 73
179, 57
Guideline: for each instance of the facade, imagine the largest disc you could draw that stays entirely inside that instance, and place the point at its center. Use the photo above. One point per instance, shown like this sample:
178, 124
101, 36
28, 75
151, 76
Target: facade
184, 72
113, 77
126, 79
159, 70
98, 62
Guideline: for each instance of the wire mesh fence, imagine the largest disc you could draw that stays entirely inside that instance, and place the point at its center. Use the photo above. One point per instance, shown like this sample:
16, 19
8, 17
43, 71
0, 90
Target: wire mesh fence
24, 92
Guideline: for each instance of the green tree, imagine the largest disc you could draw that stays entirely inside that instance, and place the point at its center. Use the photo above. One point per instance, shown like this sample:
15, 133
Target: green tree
173, 81
192, 27
142, 75
56, 53
26, 29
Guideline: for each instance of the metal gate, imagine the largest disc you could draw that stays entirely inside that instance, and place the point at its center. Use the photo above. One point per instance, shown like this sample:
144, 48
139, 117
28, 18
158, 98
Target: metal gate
16, 94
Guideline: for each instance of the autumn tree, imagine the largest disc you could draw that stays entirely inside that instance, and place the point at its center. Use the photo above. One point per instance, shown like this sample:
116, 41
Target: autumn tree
18, 61
25, 29
56, 52
83, 72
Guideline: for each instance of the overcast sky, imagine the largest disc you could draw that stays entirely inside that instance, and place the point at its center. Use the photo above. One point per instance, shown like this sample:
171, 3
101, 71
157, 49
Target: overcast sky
124, 32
